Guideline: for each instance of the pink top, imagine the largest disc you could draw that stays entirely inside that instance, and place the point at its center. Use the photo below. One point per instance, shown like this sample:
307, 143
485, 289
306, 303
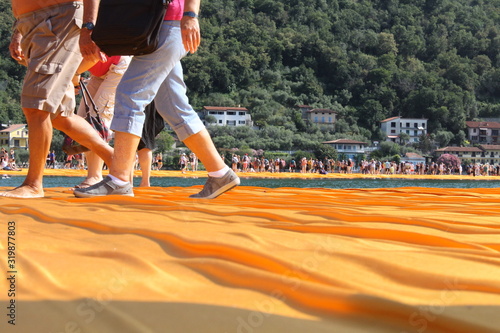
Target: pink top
175, 10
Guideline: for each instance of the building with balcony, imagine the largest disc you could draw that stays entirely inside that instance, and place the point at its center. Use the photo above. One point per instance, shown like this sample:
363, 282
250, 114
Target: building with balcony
226, 116
394, 126
490, 154
349, 148
413, 158
321, 117
473, 154
485, 132
14, 136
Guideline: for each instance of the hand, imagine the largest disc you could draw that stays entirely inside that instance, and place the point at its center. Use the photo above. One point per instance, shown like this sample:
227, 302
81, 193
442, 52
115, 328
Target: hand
190, 31
90, 51
76, 83
15, 49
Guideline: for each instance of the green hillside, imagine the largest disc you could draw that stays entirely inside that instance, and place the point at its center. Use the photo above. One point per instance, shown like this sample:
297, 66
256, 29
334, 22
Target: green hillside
367, 60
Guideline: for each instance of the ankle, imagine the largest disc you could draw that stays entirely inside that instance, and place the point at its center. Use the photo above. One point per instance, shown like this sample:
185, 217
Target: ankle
118, 181
219, 173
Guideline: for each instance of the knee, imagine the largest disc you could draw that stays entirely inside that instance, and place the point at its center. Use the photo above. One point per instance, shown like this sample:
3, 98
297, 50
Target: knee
64, 123
59, 123
35, 115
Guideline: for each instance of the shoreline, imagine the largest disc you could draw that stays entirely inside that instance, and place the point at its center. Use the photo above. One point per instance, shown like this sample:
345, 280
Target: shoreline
256, 258
282, 175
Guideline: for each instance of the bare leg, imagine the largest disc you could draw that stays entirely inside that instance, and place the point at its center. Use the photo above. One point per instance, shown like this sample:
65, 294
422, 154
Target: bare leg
94, 169
124, 155
40, 129
202, 145
81, 131
145, 160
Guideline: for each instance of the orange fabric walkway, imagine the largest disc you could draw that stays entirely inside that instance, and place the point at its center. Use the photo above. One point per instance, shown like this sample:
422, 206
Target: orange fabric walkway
254, 260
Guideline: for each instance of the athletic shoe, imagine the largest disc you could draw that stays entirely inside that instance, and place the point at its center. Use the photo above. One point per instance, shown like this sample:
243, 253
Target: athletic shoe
216, 186
103, 188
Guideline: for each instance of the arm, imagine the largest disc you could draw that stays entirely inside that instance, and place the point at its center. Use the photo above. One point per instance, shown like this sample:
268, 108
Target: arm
88, 48
85, 65
190, 27
15, 47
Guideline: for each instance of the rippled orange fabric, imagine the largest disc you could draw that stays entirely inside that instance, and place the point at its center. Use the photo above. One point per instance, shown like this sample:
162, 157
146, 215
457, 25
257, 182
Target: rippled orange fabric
256, 260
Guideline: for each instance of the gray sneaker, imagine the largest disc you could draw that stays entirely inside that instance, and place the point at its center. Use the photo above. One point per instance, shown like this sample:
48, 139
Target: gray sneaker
104, 187
216, 186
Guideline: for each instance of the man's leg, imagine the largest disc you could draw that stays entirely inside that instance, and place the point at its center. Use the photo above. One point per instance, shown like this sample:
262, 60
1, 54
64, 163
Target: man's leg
94, 169
94, 162
81, 131
221, 177
173, 104
202, 145
40, 130
145, 160
124, 155
118, 182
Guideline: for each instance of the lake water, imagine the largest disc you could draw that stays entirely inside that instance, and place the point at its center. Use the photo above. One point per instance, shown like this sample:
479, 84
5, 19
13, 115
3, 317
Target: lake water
60, 181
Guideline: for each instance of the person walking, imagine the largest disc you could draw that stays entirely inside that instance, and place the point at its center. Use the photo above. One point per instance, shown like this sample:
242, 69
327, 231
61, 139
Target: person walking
47, 97
101, 86
159, 76
183, 162
159, 161
154, 124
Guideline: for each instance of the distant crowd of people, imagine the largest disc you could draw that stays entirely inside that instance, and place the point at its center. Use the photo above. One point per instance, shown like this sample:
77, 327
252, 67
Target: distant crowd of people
259, 164
433, 168
323, 166
78, 161
245, 163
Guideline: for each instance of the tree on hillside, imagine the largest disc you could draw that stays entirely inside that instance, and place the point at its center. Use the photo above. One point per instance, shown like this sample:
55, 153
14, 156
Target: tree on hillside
367, 60
404, 138
324, 151
11, 73
164, 141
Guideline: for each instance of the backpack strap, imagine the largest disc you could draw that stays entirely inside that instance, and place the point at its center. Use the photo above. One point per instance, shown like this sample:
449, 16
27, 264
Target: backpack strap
86, 98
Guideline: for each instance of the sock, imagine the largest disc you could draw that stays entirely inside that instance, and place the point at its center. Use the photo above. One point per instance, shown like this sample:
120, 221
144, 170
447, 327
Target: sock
117, 181
220, 173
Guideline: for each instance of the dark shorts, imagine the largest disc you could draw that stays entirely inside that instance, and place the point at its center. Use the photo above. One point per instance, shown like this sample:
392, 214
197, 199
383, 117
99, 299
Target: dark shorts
153, 125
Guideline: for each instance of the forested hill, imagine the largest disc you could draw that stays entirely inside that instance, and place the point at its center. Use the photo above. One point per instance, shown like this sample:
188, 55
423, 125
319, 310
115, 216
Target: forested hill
11, 74
368, 60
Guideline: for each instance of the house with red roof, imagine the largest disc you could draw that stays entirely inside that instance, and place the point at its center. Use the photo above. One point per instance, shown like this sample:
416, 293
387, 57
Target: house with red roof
485, 132
350, 148
482, 154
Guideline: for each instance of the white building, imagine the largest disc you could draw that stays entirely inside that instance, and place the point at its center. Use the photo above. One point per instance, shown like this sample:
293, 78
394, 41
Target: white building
413, 158
490, 154
394, 126
473, 154
486, 132
482, 154
350, 148
227, 116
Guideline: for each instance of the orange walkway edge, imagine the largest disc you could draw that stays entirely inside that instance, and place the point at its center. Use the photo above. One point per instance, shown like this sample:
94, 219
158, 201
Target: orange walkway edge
253, 260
